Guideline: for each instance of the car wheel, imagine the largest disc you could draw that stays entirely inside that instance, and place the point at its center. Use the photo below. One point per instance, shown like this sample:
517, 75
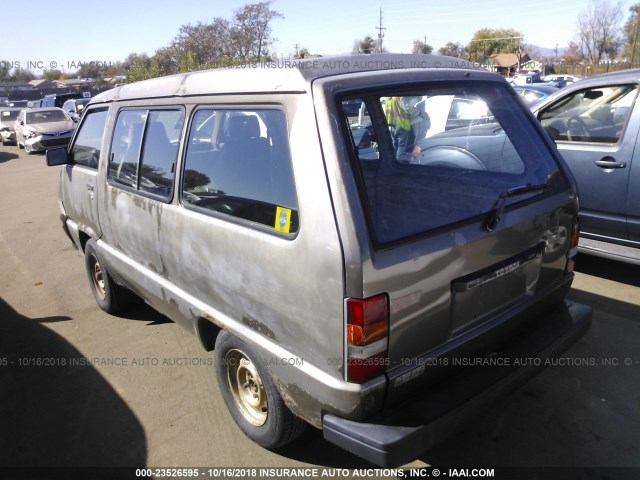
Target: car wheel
109, 295
251, 396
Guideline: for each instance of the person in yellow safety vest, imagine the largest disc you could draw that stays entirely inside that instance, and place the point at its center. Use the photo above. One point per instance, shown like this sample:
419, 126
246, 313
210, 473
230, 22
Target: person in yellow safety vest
403, 136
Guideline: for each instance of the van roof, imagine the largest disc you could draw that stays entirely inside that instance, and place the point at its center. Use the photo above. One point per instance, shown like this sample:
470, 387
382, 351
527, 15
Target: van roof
281, 76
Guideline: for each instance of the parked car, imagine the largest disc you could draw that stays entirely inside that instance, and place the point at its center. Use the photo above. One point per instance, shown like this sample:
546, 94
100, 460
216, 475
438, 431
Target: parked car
19, 103
8, 117
567, 79
595, 123
43, 128
74, 107
358, 295
534, 93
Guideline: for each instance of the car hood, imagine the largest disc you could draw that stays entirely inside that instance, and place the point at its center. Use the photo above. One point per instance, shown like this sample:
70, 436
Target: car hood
52, 127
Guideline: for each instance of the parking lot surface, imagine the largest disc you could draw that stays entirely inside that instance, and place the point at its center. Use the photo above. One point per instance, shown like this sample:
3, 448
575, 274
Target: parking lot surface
84, 388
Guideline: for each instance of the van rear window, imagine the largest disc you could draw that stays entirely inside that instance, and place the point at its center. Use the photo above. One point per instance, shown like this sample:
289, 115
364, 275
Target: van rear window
428, 158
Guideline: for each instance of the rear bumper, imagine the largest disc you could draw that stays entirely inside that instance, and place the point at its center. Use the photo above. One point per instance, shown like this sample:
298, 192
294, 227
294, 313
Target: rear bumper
398, 436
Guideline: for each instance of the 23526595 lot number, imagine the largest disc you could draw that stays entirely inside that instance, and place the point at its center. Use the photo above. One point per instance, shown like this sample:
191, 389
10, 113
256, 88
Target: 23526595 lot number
167, 472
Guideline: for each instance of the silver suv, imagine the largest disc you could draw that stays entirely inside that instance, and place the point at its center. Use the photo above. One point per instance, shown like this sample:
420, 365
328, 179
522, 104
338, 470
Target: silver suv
595, 123
378, 246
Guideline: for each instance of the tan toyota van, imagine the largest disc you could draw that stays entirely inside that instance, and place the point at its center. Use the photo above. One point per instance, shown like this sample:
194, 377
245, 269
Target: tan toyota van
376, 245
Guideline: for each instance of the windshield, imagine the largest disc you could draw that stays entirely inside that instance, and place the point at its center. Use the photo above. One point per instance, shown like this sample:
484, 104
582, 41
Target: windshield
80, 104
8, 115
45, 116
432, 157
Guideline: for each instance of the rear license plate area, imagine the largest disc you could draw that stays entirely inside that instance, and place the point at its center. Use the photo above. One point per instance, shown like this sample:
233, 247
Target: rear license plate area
494, 288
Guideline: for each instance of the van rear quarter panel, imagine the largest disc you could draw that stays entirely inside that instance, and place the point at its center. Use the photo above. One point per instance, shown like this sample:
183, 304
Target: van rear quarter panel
283, 295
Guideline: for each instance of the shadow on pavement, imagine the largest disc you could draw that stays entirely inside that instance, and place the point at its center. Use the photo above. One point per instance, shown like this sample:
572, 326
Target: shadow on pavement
608, 269
312, 448
55, 414
7, 156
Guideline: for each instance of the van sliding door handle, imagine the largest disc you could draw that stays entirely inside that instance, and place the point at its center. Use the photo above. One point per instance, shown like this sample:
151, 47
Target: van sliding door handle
90, 187
610, 162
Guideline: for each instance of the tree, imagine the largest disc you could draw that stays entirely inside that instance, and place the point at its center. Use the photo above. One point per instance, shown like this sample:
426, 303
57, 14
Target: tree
631, 34
139, 59
4, 70
251, 31
598, 30
421, 47
302, 53
52, 75
203, 43
488, 41
137, 67
22, 75
453, 49
90, 70
220, 43
366, 45
573, 55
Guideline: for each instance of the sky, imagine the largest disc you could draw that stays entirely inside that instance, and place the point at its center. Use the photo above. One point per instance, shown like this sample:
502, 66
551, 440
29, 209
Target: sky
108, 33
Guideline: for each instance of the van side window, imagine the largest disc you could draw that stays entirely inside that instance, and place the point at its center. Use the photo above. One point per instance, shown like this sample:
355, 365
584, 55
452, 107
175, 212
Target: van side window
88, 142
160, 151
238, 164
144, 150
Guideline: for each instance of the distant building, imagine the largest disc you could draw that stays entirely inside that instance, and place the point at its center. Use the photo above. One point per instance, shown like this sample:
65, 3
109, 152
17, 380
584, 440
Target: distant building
42, 84
508, 64
75, 83
8, 86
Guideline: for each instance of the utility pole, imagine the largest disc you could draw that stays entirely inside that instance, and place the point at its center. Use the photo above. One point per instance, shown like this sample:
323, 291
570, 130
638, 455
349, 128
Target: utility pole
296, 46
380, 29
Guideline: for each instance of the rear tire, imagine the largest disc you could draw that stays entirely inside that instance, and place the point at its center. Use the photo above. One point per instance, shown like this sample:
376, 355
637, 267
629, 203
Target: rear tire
251, 396
109, 295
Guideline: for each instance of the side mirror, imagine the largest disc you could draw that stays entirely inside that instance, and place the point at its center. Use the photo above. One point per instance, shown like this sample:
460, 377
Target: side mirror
57, 156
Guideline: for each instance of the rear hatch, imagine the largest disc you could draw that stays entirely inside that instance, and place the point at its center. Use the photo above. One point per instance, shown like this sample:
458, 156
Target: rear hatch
469, 219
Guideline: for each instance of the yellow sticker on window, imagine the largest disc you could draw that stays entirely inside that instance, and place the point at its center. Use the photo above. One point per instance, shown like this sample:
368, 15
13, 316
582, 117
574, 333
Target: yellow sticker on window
283, 219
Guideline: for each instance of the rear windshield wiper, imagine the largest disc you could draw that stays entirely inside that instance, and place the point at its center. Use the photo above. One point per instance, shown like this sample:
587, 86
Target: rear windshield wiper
494, 219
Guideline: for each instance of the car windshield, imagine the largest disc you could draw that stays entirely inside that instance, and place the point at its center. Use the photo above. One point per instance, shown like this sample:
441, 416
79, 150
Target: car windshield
7, 115
80, 104
45, 116
432, 157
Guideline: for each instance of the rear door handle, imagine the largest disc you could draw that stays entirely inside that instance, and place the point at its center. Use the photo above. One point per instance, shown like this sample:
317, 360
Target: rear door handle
610, 162
90, 187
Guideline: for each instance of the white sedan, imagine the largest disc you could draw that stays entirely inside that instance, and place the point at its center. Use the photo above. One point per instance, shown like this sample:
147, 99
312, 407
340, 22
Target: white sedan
43, 128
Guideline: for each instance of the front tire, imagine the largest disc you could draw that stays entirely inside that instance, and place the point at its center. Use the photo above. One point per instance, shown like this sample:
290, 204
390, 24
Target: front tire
251, 396
108, 295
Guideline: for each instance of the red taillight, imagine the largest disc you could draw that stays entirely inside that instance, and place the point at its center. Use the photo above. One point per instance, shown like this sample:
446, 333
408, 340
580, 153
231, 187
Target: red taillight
367, 331
573, 246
